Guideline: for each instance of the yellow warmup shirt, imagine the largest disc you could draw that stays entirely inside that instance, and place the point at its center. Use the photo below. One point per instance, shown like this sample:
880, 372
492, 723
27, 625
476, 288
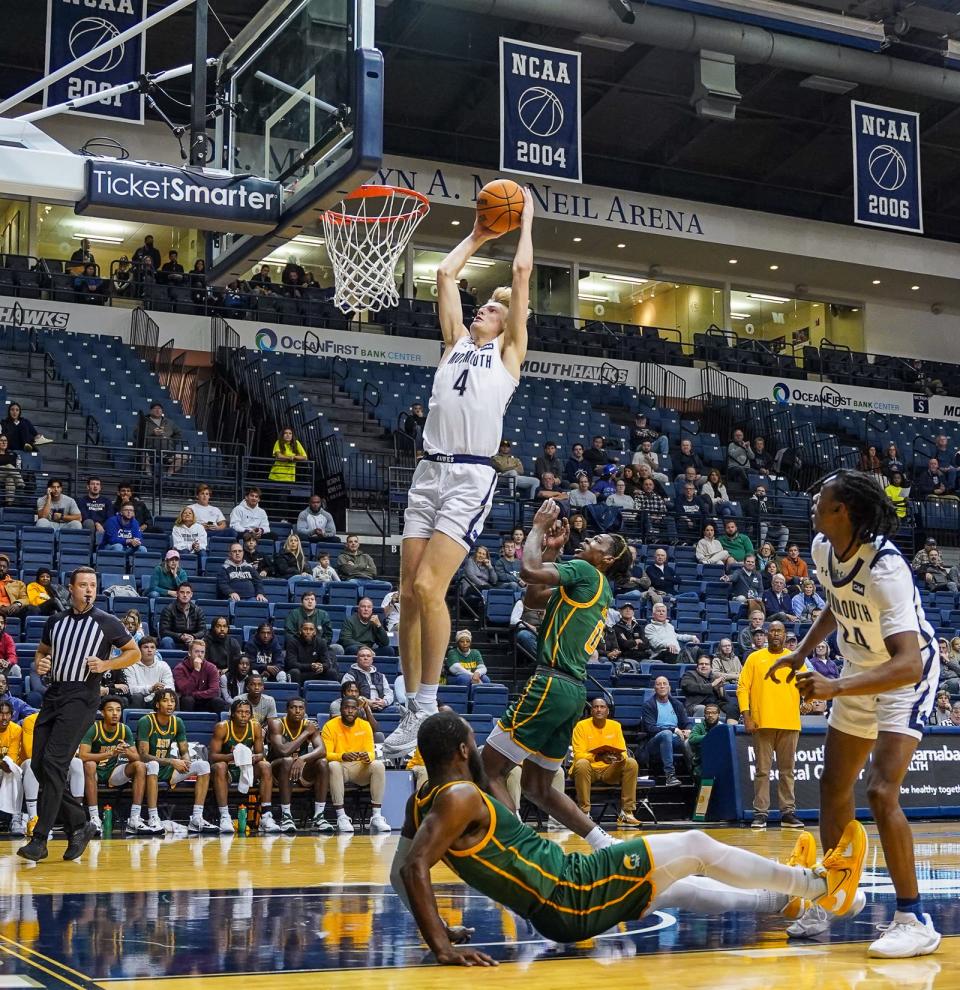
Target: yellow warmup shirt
771, 705
416, 760
26, 740
586, 736
340, 738
10, 743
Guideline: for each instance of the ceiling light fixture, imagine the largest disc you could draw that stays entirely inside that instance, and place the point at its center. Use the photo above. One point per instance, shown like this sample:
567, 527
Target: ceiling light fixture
632, 279
739, 316
733, 261
454, 223
99, 238
774, 268
763, 297
876, 281
914, 288
621, 245
577, 240
591, 297
309, 239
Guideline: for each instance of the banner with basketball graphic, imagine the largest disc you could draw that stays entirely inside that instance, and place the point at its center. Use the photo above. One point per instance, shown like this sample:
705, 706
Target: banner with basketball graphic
886, 167
539, 110
73, 30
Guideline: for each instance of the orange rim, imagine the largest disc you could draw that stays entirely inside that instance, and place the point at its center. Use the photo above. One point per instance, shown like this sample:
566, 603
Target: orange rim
369, 192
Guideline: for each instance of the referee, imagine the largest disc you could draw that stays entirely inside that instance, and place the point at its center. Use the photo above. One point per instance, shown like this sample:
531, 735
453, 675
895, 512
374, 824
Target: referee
74, 651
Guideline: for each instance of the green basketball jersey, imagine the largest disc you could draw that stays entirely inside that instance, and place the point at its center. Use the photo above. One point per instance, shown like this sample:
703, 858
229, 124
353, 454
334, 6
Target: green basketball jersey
574, 619
288, 735
160, 739
230, 740
512, 864
99, 739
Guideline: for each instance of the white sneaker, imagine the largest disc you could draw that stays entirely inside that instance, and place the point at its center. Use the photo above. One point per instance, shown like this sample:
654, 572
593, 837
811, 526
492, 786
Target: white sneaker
18, 825
287, 824
226, 825
267, 824
98, 824
904, 937
203, 827
815, 921
343, 823
403, 740
379, 824
137, 826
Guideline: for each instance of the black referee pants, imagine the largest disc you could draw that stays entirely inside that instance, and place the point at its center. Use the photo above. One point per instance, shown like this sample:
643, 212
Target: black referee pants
68, 710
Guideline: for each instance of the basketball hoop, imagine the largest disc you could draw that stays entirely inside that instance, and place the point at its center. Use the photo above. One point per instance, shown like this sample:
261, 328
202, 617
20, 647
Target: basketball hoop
366, 234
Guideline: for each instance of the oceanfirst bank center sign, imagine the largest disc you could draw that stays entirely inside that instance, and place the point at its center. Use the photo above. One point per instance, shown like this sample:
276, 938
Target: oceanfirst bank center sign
213, 200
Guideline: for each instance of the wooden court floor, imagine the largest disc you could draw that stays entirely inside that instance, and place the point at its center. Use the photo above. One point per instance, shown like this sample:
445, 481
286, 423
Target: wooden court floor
306, 912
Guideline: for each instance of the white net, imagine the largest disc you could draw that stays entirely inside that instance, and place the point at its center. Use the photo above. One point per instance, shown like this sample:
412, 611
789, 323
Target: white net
366, 235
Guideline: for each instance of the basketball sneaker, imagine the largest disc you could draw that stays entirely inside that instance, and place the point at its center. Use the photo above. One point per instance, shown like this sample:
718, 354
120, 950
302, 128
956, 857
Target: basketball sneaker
267, 824
287, 824
343, 822
403, 740
379, 824
815, 921
18, 825
626, 819
226, 824
906, 936
842, 867
805, 855
320, 824
202, 827
137, 826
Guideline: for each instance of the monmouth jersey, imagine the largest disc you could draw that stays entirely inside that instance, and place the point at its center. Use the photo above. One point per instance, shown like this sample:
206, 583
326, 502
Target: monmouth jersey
72, 637
872, 596
471, 392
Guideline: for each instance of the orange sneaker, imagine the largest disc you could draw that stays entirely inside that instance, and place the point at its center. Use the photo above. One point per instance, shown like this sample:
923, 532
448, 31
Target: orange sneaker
804, 854
842, 867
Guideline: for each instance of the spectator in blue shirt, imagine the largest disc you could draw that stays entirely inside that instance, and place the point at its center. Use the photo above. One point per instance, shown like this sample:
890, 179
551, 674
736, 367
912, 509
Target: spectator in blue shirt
266, 656
663, 577
666, 724
575, 464
808, 604
95, 508
122, 532
20, 708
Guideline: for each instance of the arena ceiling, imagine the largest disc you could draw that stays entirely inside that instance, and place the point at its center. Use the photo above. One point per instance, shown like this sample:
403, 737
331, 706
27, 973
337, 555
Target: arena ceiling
788, 149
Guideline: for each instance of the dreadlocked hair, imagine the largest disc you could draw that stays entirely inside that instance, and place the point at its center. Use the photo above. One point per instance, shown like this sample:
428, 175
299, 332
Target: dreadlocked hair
621, 558
871, 513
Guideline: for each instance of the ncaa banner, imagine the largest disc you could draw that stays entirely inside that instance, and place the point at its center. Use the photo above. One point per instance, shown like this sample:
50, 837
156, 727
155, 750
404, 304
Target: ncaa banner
76, 27
886, 167
539, 111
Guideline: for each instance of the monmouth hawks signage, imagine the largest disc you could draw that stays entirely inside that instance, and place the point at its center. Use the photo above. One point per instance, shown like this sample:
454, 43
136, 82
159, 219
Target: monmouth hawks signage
211, 200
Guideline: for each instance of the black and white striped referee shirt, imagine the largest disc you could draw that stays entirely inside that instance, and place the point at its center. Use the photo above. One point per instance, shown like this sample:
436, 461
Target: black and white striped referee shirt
72, 637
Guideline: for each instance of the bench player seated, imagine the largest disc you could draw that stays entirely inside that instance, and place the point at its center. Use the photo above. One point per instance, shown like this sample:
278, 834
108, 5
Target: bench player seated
110, 759
162, 744
298, 756
236, 757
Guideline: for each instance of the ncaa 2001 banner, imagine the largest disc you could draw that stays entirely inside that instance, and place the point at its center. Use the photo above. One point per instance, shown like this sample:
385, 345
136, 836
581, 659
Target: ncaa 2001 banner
76, 27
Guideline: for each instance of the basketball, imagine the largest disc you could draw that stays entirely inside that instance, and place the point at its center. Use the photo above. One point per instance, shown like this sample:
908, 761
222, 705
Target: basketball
499, 206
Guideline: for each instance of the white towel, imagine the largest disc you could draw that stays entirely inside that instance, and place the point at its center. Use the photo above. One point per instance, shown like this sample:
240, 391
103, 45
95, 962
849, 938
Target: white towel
11, 788
243, 758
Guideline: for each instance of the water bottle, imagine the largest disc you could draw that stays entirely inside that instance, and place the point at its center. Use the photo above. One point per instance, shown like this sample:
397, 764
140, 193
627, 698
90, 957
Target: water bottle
107, 821
242, 820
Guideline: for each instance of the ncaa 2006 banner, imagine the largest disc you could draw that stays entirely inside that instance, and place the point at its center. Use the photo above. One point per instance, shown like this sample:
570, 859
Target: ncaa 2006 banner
76, 27
539, 110
886, 167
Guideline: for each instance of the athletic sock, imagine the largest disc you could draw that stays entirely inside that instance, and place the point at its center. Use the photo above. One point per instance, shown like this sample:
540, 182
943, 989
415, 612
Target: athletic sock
284, 809
224, 812
197, 812
319, 807
31, 809
598, 838
153, 815
134, 810
426, 698
910, 905
94, 811
266, 809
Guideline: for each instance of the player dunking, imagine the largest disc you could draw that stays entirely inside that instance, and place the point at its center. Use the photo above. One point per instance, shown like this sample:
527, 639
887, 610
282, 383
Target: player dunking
569, 898
453, 486
536, 730
884, 695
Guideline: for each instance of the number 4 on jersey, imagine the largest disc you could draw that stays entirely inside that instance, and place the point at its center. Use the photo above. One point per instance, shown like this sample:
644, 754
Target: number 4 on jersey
460, 385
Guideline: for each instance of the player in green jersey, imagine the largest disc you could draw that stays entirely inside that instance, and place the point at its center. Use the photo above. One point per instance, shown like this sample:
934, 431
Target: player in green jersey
569, 898
298, 756
162, 743
110, 759
536, 729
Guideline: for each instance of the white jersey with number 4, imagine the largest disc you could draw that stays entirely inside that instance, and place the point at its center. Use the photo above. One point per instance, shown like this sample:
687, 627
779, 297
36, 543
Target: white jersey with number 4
471, 392
872, 596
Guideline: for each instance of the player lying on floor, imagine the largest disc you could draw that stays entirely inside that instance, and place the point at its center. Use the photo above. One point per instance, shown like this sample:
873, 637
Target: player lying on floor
571, 897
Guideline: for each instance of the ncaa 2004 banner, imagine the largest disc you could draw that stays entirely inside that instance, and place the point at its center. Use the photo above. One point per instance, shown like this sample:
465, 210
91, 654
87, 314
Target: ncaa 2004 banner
76, 27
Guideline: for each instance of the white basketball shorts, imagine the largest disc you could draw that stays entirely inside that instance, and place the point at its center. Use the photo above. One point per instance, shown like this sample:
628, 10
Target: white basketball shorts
454, 499
905, 710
